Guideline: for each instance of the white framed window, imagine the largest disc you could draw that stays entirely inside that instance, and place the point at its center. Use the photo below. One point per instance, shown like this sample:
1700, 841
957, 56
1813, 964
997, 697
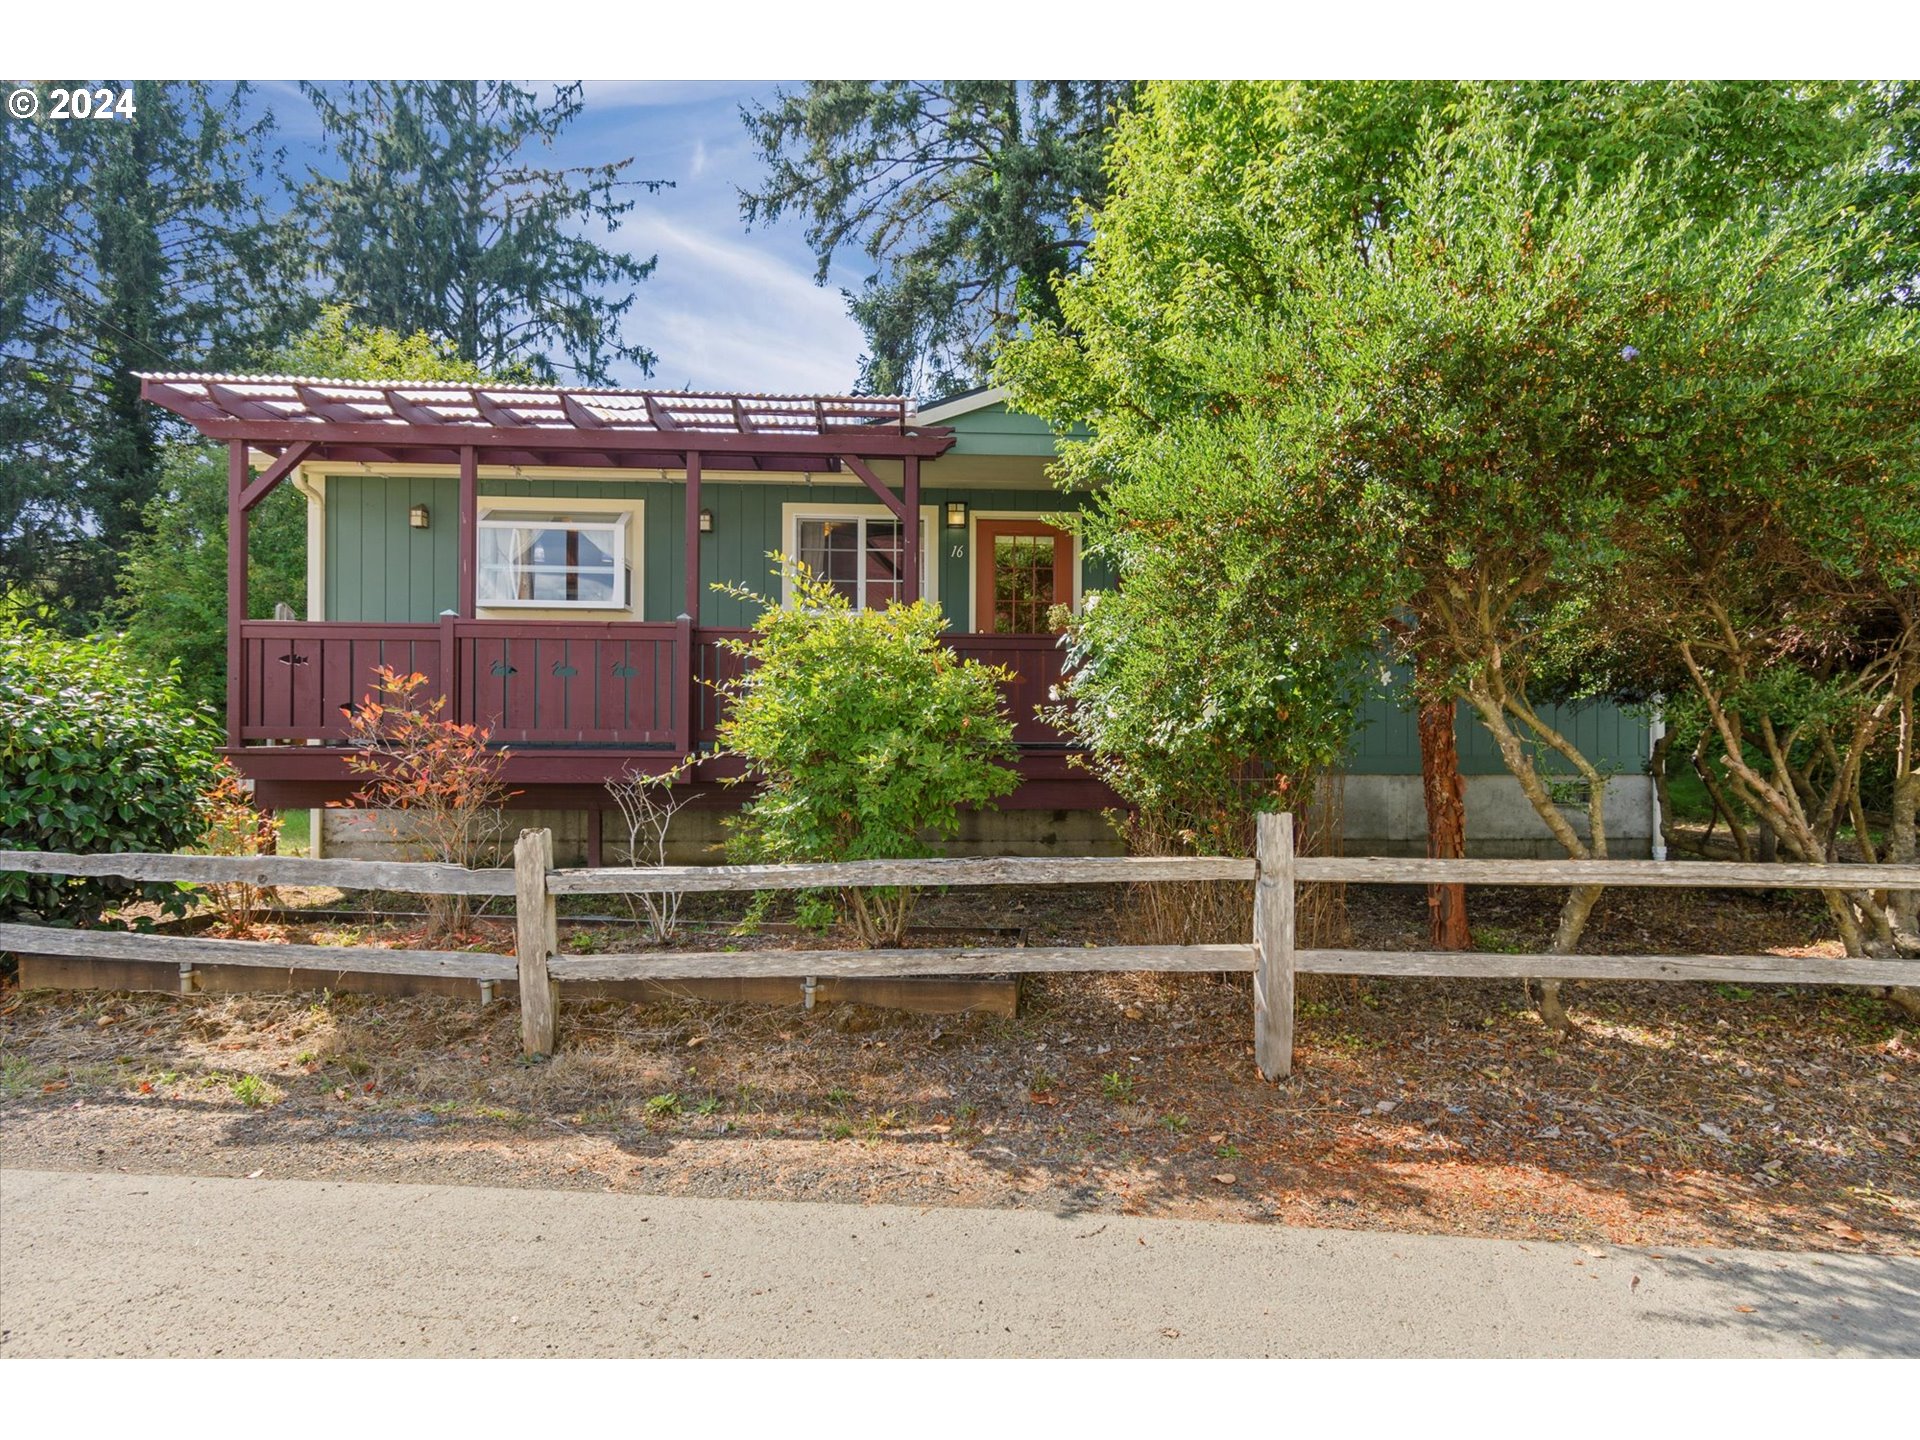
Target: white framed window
553, 561
859, 550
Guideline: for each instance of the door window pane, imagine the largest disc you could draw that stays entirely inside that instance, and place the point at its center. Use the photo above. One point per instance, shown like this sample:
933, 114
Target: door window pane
1023, 583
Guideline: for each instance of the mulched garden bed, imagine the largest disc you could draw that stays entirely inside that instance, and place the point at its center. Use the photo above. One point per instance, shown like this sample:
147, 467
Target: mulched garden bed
1675, 1113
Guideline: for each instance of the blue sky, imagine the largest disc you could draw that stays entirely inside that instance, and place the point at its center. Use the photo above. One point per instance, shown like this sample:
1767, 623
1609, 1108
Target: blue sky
727, 309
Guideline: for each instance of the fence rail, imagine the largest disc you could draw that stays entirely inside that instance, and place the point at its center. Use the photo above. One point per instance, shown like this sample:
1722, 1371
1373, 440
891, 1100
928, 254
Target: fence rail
407, 876
1271, 955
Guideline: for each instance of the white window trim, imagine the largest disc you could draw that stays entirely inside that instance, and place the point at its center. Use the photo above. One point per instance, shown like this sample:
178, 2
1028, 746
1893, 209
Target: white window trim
628, 519
793, 512
973, 552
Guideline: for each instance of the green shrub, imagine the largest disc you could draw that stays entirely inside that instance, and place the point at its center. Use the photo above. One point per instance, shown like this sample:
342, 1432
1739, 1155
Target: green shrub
96, 754
866, 735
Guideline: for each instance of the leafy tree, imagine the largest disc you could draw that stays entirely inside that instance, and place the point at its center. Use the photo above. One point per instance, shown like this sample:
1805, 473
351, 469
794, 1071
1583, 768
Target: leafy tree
1469, 420
140, 242
865, 735
1211, 168
1884, 201
1194, 758
966, 194
1782, 575
172, 601
97, 754
438, 220
342, 345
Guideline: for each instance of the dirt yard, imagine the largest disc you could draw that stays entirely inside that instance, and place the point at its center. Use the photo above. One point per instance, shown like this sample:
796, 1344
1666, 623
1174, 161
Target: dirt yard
1697, 1114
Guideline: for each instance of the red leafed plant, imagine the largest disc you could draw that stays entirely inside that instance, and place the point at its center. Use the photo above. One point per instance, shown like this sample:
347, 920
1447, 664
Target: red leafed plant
442, 776
236, 826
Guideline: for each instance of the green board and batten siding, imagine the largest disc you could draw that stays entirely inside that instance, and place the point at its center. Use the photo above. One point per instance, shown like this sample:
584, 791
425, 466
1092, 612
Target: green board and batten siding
1388, 741
378, 568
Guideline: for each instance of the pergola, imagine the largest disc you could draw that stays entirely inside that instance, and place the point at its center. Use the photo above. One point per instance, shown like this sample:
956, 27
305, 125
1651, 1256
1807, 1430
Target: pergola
298, 419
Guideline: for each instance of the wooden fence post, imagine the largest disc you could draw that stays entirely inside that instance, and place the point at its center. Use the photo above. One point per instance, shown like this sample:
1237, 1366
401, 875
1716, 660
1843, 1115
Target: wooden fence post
1273, 947
537, 937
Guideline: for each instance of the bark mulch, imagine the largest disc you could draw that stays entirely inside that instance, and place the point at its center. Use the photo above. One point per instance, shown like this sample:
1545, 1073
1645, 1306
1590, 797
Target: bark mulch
1674, 1114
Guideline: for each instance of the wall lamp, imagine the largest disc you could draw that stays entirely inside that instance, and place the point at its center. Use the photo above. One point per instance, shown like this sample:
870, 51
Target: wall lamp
418, 517
956, 514
706, 522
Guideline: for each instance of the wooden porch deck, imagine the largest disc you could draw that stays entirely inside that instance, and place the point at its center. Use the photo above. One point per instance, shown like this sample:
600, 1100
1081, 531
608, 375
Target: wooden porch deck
575, 701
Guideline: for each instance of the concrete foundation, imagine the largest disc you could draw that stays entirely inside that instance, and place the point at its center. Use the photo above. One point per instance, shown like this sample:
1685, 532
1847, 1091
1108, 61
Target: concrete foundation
696, 835
1385, 815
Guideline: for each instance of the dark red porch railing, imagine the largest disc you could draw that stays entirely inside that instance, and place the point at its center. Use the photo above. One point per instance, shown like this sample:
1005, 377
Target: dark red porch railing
715, 667
298, 675
1036, 662
565, 683
555, 682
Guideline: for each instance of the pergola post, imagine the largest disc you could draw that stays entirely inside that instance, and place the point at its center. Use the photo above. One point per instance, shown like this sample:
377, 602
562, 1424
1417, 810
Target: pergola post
692, 606
236, 585
469, 542
910, 532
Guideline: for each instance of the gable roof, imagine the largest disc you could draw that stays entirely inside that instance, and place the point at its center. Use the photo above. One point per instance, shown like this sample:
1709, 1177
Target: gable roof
965, 403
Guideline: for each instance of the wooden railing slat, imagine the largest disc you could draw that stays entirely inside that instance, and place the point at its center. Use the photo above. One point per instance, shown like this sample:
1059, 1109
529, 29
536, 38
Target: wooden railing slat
180, 949
1479, 965
875, 964
1391, 870
976, 870
408, 876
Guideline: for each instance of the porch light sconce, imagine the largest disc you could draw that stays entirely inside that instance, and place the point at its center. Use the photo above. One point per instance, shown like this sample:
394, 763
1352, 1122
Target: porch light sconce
706, 522
956, 514
418, 517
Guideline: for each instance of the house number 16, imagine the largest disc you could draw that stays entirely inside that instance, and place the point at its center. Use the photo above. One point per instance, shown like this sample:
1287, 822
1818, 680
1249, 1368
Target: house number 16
959, 552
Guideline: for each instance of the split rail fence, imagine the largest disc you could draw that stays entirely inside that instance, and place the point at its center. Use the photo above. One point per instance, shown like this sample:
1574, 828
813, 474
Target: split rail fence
1271, 953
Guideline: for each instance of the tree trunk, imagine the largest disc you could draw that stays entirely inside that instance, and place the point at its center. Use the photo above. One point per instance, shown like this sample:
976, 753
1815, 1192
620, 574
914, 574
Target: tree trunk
1446, 797
1721, 805
1574, 912
1902, 827
1579, 902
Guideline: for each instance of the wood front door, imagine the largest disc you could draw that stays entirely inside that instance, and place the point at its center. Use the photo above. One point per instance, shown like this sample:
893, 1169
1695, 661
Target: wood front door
1021, 569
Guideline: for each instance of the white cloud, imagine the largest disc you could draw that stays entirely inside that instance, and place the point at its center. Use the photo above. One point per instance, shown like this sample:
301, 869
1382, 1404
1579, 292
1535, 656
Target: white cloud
727, 314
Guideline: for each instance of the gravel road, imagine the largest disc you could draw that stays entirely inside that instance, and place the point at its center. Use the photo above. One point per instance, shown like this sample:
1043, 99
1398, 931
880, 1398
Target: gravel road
115, 1264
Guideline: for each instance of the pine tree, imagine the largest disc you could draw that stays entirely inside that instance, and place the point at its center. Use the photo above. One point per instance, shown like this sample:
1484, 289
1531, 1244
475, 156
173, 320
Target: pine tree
432, 218
964, 193
140, 242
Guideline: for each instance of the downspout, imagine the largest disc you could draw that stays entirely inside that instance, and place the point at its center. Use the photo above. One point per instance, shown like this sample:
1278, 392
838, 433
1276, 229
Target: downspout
1656, 731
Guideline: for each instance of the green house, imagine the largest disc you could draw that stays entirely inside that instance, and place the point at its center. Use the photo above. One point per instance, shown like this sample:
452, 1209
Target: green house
549, 559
